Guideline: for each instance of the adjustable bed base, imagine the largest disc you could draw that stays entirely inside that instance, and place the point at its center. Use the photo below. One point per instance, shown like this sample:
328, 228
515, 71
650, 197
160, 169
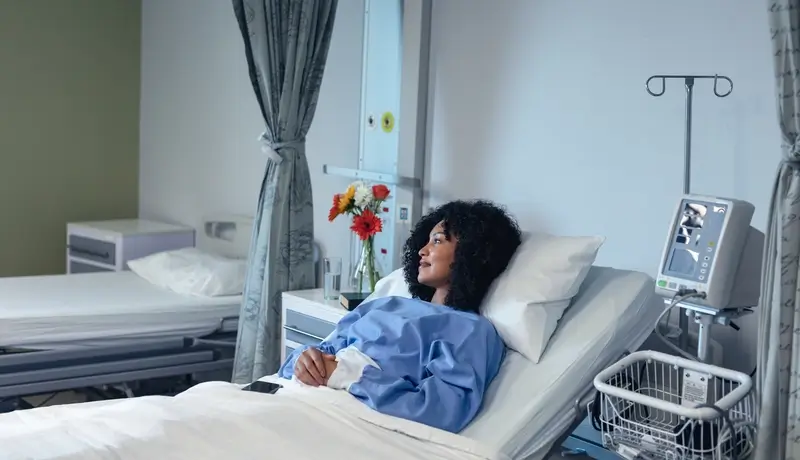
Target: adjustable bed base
98, 370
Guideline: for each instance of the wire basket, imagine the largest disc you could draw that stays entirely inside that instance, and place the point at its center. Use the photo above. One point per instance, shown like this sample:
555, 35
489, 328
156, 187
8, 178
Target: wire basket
652, 405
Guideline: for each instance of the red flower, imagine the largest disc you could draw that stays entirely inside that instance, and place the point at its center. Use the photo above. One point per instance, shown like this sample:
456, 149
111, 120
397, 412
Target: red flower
336, 199
366, 224
380, 192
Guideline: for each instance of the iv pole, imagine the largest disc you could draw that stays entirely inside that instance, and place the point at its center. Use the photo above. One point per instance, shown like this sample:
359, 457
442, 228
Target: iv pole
688, 82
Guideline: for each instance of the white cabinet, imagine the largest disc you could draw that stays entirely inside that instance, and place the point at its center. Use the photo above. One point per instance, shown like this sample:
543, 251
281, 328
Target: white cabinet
109, 245
307, 319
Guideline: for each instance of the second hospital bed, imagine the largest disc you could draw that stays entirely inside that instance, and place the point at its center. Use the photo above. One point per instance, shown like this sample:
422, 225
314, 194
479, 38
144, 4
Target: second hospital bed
75, 331
527, 412
87, 330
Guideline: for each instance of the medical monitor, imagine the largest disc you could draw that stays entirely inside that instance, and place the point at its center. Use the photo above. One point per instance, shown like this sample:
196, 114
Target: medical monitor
711, 248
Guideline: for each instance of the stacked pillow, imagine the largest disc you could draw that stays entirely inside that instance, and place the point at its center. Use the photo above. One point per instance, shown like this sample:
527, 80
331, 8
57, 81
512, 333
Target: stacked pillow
527, 300
191, 271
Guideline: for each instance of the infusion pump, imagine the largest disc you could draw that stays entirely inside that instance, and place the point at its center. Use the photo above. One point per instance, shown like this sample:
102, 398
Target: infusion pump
712, 249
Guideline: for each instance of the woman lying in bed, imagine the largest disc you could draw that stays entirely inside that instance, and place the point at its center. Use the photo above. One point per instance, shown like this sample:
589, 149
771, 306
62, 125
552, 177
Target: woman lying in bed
428, 359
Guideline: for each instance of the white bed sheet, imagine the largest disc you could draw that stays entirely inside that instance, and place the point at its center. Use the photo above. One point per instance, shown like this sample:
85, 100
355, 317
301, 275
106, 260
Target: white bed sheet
61, 311
217, 420
615, 311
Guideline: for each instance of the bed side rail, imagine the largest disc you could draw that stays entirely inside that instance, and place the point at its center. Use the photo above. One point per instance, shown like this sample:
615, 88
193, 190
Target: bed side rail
28, 373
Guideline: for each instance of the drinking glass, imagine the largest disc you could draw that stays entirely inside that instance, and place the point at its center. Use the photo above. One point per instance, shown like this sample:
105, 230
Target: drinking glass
333, 277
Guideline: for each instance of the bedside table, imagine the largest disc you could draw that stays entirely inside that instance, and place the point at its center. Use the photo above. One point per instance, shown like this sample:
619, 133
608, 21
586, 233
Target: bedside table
108, 245
307, 318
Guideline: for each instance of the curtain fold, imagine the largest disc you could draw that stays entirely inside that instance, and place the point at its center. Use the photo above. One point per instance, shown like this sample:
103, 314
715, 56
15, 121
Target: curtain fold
779, 325
286, 44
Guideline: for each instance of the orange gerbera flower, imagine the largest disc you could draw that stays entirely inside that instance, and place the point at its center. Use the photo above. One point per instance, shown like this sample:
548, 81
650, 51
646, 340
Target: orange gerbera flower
366, 224
346, 199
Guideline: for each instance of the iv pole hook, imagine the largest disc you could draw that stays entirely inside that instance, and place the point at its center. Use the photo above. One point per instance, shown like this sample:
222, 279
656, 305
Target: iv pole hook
688, 82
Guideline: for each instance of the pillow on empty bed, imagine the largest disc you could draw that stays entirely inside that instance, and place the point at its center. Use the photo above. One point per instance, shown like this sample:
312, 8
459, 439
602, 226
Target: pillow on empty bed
193, 272
527, 300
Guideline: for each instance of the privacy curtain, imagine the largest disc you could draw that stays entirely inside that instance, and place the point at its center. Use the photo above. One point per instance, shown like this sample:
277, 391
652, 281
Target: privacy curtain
286, 44
779, 325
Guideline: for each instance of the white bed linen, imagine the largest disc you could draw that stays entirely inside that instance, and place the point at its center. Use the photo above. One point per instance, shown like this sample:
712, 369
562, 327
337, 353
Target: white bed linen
615, 311
527, 406
217, 420
101, 308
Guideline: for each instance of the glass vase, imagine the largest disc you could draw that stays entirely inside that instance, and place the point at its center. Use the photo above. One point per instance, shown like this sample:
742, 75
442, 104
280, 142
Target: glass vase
366, 269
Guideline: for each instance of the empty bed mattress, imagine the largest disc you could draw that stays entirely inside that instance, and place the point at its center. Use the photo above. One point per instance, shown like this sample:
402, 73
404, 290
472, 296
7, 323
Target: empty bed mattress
93, 309
529, 406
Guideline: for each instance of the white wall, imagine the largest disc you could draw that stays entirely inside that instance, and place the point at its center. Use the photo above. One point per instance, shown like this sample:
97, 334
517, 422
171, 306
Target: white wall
541, 106
200, 120
538, 105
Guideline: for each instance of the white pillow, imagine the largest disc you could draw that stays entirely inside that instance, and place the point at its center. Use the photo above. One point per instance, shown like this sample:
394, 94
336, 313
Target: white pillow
193, 272
527, 300
392, 285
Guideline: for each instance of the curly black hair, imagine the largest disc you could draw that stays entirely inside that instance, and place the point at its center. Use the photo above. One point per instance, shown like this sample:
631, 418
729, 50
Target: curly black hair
487, 238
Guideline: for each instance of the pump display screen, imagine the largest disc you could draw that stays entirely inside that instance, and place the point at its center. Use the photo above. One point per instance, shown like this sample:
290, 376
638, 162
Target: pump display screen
684, 261
697, 230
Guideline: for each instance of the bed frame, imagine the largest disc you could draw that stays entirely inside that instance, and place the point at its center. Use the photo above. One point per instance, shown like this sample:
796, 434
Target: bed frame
584, 441
115, 371
571, 443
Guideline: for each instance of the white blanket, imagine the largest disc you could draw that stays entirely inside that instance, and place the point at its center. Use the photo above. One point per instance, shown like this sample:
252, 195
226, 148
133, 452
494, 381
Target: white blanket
217, 420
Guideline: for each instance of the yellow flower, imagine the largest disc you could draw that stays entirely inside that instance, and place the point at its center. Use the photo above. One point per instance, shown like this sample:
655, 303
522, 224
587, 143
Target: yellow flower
347, 198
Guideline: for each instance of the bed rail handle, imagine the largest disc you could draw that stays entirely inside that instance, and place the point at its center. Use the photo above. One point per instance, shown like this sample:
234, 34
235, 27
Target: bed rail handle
112, 378
69, 370
213, 343
45, 357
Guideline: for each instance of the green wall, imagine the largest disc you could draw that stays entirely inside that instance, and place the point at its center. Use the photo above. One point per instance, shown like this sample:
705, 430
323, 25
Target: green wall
69, 123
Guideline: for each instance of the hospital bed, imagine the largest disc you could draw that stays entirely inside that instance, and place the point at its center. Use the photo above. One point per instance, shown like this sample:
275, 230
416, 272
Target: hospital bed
90, 330
531, 408
528, 411
74, 331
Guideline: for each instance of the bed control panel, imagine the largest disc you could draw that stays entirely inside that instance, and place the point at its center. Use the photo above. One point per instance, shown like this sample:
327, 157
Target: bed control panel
108, 245
307, 319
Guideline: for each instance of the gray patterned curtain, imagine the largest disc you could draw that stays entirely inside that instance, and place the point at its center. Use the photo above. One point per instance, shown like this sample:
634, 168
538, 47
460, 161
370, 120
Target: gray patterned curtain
779, 325
286, 43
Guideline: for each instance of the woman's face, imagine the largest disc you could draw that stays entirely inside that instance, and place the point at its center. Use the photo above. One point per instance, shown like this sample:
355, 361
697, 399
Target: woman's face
436, 257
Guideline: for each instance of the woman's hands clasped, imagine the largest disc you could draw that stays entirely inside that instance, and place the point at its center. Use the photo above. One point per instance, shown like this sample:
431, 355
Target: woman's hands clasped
314, 367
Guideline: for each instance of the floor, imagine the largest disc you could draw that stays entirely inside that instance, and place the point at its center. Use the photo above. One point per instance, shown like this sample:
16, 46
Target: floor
570, 457
559, 456
65, 397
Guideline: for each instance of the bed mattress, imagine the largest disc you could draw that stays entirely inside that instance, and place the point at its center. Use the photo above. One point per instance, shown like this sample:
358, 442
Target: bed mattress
529, 406
61, 311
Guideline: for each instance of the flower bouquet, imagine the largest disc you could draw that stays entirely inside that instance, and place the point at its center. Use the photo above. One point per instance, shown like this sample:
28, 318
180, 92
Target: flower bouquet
363, 203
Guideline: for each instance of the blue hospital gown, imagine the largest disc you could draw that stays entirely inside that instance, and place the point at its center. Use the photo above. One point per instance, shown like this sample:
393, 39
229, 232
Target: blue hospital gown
434, 362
